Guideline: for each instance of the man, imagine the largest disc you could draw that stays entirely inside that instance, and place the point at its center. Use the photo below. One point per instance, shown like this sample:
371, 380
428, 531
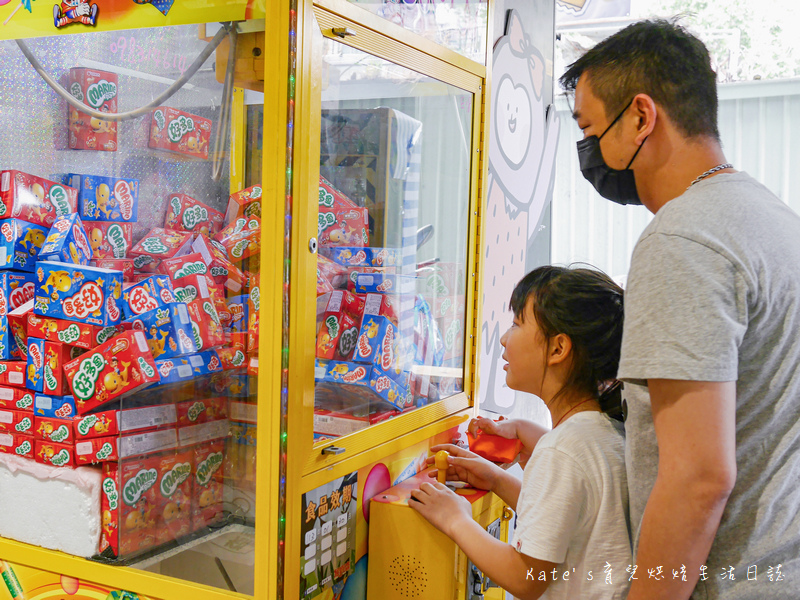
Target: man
712, 326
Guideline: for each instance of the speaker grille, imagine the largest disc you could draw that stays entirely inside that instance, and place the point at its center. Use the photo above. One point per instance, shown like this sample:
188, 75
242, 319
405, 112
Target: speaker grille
408, 576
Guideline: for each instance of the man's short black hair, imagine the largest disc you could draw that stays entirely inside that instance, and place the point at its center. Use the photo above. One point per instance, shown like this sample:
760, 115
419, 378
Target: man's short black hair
657, 58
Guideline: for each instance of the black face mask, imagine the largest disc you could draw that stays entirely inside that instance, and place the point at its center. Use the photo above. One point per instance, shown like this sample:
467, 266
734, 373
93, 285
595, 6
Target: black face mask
616, 185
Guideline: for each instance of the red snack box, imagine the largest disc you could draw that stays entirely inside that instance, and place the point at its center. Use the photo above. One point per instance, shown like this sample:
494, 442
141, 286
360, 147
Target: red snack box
337, 336
16, 421
222, 271
341, 221
231, 358
184, 213
109, 239
208, 472
71, 333
35, 199
137, 504
51, 453
253, 305
180, 132
205, 324
202, 411
96, 450
15, 443
184, 266
52, 429
244, 203
121, 365
174, 490
56, 355
99, 424
16, 398
241, 239
333, 272
18, 323
157, 245
98, 90
12, 372
117, 264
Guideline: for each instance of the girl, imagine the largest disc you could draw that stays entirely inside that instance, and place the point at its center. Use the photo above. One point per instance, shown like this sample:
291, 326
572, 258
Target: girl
572, 535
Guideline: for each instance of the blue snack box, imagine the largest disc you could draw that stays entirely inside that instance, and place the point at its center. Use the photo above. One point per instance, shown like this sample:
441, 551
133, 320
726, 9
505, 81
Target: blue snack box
187, 368
238, 307
15, 290
20, 243
106, 198
60, 407
384, 283
67, 242
362, 257
168, 330
78, 293
369, 377
146, 295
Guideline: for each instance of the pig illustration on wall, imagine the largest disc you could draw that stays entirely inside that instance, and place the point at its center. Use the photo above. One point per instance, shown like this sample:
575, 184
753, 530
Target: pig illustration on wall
522, 150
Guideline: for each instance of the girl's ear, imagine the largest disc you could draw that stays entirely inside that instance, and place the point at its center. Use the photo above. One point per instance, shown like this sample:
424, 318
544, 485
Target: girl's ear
559, 349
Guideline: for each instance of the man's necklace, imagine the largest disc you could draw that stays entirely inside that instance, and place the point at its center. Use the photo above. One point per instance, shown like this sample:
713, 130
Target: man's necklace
710, 172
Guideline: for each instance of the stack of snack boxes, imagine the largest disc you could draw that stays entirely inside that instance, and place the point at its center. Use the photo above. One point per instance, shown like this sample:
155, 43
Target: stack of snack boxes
372, 328
128, 357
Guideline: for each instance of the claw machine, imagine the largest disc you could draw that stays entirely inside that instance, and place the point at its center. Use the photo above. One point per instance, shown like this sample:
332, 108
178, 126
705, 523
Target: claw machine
239, 297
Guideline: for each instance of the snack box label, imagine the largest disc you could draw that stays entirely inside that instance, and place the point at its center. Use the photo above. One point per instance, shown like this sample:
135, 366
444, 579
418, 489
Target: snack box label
204, 410
192, 287
16, 398
54, 406
184, 213
241, 239
53, 429
157, 245
244, 203
98, 90
168, 330
109, 240
147, 295
15, 443
78, 293
16, 290
187, 368
70, 333
98, 424
35, 199
16, 421
52, 453
180, 132
362, 257
121, 365
20, 243
96, 450
174, 491
12, 372
125, 265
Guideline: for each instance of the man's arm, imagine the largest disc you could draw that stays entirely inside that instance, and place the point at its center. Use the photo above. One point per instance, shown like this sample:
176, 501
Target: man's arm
695, 424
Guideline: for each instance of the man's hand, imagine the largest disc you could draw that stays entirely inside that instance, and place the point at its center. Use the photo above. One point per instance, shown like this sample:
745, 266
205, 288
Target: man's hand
442, 507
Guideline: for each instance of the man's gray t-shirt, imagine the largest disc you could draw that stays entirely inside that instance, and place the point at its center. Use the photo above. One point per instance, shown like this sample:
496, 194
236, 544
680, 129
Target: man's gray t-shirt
713, 294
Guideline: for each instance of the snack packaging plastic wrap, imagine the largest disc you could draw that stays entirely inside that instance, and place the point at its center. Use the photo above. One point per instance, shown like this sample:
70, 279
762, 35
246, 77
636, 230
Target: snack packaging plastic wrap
102, 198
77, 293
110, 240
97, 90
158, 245
67, 242
180, 133
120, 366
184, 213
20, 243
241, 239
34, 199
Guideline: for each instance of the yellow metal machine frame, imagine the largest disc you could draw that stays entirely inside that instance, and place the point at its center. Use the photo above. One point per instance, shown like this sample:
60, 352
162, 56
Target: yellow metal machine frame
306, 466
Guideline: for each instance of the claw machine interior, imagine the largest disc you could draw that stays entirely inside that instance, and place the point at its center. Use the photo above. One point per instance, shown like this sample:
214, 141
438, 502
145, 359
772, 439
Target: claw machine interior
131, 292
